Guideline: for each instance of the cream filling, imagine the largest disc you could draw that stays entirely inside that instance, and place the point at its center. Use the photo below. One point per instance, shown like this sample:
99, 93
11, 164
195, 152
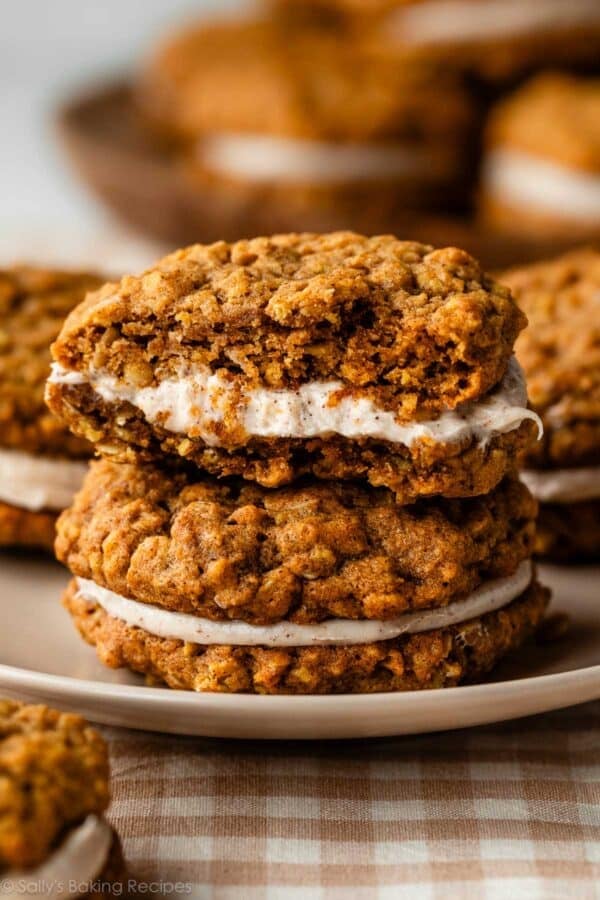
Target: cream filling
524, 180
195, 404
440, 21
38, 482
267, 158
563, 485
70, 870
194, 629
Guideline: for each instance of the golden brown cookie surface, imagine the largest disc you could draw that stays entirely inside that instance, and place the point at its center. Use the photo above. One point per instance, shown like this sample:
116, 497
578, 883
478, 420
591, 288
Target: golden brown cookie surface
302, 554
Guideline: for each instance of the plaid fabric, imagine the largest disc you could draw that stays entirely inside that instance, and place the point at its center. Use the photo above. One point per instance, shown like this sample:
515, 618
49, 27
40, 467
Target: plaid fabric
508, 811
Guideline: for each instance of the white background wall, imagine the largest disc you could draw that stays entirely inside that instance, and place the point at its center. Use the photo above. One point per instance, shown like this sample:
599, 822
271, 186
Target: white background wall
48, 50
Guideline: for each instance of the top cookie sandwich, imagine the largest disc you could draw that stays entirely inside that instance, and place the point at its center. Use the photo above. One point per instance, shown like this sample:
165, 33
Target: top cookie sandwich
338, 355
41, 462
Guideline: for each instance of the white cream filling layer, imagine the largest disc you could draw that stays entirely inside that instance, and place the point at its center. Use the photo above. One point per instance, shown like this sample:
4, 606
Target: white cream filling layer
182, 626
440, 21
524, 180
267, 158
39, 482
71, 869
194, 403
563, 485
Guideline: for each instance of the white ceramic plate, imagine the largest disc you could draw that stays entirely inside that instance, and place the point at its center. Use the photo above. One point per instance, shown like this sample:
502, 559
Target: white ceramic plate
43, 659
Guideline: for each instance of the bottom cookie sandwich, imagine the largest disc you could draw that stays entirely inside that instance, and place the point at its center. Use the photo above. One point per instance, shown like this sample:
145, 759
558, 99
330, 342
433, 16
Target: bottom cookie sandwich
315, 588
435, 658
54, 839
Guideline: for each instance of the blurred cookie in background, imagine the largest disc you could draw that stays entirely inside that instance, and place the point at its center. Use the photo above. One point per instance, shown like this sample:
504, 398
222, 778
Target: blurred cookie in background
41, 463
496, 40
541, 171
560, 354
281, 129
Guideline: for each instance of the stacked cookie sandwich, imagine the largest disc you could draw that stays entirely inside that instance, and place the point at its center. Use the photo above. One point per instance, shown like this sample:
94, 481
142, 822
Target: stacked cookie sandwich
560, 353
308, 477
54, 789
41, 463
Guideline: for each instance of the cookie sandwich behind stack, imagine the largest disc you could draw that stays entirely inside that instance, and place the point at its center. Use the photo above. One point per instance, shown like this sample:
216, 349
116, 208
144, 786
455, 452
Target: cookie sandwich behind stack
279, 127
54, 790
495, 40
41, 463
541, 168
560, 352
358, 400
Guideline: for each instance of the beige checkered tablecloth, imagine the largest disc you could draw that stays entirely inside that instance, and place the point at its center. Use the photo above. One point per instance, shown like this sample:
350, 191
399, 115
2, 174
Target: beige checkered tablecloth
504, 812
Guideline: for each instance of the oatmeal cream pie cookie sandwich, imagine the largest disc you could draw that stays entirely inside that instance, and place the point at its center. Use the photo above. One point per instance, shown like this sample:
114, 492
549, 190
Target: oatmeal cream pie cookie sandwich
41, 463
335, 356
497, 40
560, 353
317, 587
54, 790
282, 129
541, 169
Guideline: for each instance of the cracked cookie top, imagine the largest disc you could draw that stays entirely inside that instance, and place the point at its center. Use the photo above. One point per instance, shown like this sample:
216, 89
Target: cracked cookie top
415, 329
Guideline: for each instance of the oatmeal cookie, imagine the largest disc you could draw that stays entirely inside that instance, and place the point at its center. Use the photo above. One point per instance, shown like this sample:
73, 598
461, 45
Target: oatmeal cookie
433, 659
41, 461
541, 171
255, 78
560, 354
54, 773
282, 128
230, 550
336, 355
494, 42
33, 306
